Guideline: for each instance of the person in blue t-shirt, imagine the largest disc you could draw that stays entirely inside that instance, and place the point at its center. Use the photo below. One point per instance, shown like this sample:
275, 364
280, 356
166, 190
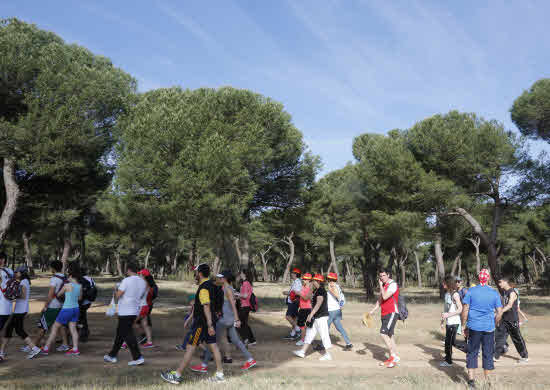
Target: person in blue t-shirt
478, 319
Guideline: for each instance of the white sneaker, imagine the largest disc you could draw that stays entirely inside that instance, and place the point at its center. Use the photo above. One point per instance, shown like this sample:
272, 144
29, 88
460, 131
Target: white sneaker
396, 359
109, 359
217, 378
137, 362
32, 353
300, 343
63, 348
445, 364
326, 356
299, 353
25, 349
522, 361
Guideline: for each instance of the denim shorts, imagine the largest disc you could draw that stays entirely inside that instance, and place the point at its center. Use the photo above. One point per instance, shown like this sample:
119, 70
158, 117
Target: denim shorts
485, 340
68, 315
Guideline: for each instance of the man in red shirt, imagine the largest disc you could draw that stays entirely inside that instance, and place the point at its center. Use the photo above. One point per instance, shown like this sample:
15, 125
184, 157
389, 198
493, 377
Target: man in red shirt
389, 297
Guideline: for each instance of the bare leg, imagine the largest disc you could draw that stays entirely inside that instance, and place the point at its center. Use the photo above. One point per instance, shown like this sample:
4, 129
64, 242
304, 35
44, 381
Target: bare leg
147, 329
186, 358
390, 343
53, 334
291, 321
74, 335
29, 342
217, 356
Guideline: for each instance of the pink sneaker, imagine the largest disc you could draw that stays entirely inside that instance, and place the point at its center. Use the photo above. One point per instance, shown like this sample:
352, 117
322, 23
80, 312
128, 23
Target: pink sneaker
199, 368
72, 352
44, 351
248, 365
124, 346
147, 345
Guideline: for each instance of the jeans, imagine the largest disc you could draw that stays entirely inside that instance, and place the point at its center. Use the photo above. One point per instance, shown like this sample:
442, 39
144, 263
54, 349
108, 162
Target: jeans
450, 340
244, 330
221, 327
125, 333
485, 340
510, 328
335, 317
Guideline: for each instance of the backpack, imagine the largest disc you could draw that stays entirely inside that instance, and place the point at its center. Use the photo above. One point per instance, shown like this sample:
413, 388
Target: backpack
462, 293
155, 292
253, 303
89, 290
13, 287
64, 281
217, 299
402, 310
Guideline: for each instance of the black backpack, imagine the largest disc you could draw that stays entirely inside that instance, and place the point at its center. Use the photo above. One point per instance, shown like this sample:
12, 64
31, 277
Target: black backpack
253, 303
402, 310
13, 287
217, 299
89, 290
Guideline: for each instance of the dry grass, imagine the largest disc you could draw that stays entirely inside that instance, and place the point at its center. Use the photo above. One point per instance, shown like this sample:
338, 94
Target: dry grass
419, 341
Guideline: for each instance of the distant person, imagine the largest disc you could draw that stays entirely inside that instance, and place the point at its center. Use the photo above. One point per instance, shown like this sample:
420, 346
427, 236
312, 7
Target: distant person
203, 328
21, 309
510, 321
6, 306
388, 304
462, 291
69, 313
304, 309
293, 303
144, 320
336, 300
245, 308
521, 313
227, 324
52, 306
129, 294
451, 318
317, 320
188, 319
478, 319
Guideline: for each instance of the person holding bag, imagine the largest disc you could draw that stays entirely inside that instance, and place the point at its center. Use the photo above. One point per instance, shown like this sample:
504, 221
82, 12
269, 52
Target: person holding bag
336, 301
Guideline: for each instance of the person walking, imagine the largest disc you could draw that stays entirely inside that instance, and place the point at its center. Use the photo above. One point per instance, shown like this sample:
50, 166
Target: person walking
203, 328
84, 305
129, 294
245, 308
304, 309
336, 301
21, 309
510, 322
450, 318
6, 306
69, 313
317, 320
144, 319
293, 304
227, 324
478, 319
387, 302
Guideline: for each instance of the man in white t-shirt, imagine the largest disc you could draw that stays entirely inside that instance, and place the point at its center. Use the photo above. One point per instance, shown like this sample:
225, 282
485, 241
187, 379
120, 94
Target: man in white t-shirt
293, 303
129, 294
6, 305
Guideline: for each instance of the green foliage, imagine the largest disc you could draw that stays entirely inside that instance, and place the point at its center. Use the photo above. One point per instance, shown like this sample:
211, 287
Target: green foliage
531, 111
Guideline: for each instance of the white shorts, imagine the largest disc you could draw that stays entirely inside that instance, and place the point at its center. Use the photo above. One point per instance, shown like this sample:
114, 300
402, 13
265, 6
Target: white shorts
319, 325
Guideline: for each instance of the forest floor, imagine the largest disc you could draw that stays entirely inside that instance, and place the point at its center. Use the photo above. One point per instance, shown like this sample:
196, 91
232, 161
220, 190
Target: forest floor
419, 342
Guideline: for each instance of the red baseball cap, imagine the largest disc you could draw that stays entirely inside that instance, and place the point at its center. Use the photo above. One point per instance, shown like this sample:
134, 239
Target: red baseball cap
319, 278
296, 271
144, 272
306, 276
332, 276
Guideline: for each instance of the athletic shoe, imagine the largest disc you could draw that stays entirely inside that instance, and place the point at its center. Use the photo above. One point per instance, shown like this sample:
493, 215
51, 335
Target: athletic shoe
299, 353
124, 346
217, 378
248, 365
199, 368
171, 377
523, 361
25, 349
72, 352
299, 343
63, 348
387, 362
137, 362
109, 359
290, 337
326, 356
496, 358
142, 340
251, 344
471, 384
33, 352
227, 360
148, 345
396, 359
445, 364
44, 351
180, 347
348, 347
318, 347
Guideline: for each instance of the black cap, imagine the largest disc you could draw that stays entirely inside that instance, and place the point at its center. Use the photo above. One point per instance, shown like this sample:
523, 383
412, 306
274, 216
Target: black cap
203, 268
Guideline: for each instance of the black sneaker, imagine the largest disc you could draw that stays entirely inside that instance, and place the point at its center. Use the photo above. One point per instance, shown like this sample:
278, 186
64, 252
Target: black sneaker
227, 361
348, 347
290, 337
318, 347
471, 384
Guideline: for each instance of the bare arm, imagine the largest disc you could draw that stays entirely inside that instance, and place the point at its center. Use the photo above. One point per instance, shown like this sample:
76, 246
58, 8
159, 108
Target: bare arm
229, 295
458, 304
334, 291
513, 297
317, 307
499, 315
51, 297
118, 294
464, 315
376, 306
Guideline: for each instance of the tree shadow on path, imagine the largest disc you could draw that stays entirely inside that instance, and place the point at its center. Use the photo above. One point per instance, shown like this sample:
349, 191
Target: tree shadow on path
456, 373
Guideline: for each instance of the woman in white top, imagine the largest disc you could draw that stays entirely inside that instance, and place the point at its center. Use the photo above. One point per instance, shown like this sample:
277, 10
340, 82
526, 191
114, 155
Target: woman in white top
450, 317
20, 311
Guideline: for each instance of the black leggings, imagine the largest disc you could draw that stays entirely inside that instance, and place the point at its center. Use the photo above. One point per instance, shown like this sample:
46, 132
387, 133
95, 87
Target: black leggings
450, 340
501, 335
17, 323
244, 331
125, 333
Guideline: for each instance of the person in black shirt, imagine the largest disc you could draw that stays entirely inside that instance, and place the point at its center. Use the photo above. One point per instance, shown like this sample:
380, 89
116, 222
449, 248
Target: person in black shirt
317, 321
510, 322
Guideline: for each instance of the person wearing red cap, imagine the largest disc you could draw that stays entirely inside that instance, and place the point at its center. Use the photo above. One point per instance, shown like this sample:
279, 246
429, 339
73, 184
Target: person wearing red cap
143, 320
317, 320
336, 301
305, 306
388, 301
293, 304
478, 319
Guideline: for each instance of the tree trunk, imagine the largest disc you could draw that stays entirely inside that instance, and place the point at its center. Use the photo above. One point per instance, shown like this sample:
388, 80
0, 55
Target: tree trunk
440, 264
118, 265
534, 262
289, 241
459, 267
455, 264
333, 257
12, 196
108, 266
264, 267
175, 263
146, 262
476, 244
28, 252
418, 273
351, 274
245, 254
67, 245
217, 265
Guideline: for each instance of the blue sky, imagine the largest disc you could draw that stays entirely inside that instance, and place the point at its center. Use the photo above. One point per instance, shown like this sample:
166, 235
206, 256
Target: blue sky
340, 67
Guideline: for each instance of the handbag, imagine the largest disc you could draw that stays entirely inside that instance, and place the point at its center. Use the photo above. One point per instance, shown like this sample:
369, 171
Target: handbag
111, 310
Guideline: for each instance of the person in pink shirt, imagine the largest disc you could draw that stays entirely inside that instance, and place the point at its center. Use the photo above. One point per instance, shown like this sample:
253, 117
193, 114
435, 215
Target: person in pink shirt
245, 308
305, 306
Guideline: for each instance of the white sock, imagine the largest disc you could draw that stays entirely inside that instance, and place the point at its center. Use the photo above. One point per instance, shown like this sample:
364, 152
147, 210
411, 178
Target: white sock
219, 374
250, 360
293, 332
204, 365
394, 355
177, 375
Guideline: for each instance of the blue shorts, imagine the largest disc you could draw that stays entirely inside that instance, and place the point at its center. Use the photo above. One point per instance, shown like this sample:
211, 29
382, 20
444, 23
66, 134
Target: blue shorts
68, 315
292, 309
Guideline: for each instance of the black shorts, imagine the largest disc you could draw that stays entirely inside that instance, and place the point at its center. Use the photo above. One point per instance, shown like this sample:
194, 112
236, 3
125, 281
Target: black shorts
199, 334
3, 321
302, 317
388, 324
292, 309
